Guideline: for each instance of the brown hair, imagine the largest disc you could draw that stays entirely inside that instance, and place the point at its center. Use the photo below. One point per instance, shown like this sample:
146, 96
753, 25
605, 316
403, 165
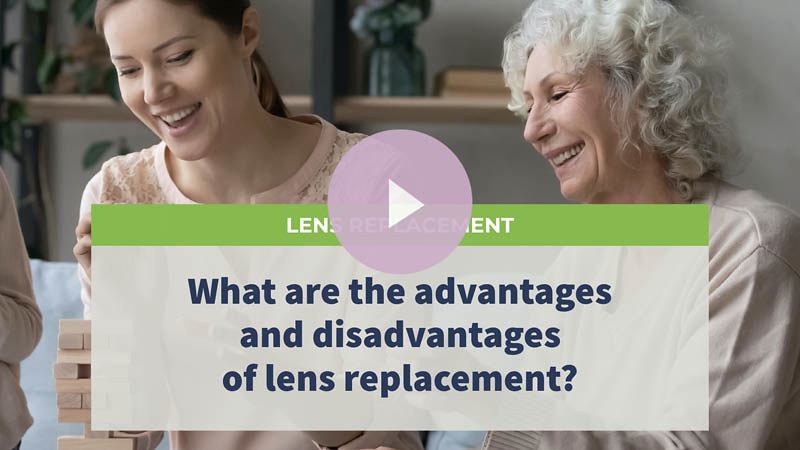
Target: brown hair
228, 15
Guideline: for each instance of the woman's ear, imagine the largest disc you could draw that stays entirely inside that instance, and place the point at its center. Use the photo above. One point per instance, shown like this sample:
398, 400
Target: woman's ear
250, 32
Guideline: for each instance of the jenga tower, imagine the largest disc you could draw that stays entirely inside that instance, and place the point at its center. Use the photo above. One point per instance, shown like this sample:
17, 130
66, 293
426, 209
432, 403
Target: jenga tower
72, 372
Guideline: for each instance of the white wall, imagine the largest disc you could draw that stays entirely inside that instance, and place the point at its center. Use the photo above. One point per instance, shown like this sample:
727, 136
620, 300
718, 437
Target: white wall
766, 74
502, 167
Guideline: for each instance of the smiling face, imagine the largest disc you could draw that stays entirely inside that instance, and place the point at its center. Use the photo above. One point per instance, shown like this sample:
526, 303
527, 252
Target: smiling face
570, 124
180, 73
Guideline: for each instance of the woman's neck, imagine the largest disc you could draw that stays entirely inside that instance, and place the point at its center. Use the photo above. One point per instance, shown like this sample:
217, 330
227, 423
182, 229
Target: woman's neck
262, 152
655, 190
643, 181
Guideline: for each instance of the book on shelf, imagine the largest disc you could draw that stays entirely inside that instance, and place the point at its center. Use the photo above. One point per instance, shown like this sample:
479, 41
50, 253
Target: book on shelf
469, 81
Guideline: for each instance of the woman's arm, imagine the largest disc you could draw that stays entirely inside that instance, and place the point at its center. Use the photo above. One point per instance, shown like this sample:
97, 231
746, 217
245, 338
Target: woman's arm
20, 318
145, 440
83, 237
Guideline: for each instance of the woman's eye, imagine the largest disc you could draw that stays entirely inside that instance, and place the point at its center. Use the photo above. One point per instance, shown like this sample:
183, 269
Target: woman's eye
126, 72
559, 95
181, 57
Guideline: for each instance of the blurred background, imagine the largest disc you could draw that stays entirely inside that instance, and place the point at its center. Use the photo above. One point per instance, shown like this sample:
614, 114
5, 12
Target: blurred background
321, 65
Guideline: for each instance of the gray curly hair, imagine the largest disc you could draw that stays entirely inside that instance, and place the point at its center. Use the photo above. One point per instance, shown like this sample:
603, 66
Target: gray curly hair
667, 84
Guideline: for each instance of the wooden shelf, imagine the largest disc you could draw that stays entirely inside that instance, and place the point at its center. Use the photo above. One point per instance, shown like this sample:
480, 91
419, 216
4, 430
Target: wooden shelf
423, 109
44, 108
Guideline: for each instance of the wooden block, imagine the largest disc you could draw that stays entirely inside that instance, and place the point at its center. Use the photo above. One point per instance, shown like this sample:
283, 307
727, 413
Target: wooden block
69, 400
80, 385
66, 371
81, 443
71, 371
74, 356
86, 400
77, 326
73, 415
70, 341
92, 434
87, 341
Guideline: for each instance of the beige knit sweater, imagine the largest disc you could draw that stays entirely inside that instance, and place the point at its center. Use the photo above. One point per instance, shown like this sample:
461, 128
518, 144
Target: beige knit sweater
754, 337
20, 321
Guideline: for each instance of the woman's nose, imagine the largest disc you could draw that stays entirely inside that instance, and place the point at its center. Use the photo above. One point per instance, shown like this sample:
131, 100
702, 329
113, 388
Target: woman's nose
539, 127
157, 88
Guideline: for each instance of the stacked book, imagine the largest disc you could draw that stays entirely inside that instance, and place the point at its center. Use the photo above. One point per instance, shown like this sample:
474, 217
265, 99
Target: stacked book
72, 372
470, 82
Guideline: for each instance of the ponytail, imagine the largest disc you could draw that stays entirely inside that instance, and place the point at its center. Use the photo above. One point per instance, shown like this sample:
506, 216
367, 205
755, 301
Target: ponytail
265, 87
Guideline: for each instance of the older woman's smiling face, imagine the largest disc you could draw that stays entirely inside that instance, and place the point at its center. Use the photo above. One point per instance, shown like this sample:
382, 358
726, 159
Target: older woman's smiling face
569, 123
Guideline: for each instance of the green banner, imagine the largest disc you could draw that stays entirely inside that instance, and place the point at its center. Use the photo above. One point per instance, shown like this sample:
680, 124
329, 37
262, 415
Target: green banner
491, 225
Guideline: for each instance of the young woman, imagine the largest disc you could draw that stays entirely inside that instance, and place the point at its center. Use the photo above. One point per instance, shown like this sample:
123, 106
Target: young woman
190, 71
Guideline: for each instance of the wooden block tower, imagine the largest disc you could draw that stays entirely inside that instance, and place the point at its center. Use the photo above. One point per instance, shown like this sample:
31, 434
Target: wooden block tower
72, 372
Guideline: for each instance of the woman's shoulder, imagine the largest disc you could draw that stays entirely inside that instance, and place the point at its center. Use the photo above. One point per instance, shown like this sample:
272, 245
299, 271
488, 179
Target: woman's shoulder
745, 220
130, 178
316, 190
344, 140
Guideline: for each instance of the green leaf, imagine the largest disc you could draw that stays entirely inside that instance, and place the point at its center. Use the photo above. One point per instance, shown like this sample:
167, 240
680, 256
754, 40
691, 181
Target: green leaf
37, 5
48, 70
9, 140
17, 111
13, 115
83, 12
7, 56
86, 79
111, 84
95, 152
6, 135
10, 4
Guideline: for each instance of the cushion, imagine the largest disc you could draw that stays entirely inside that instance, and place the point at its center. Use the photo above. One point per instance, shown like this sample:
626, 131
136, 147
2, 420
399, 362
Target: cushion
57, 291
455, 440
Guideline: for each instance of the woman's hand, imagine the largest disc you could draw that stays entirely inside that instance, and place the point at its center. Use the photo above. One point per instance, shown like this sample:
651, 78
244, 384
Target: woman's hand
83, 247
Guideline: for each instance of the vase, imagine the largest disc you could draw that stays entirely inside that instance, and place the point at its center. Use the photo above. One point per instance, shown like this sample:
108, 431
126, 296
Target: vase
394, 65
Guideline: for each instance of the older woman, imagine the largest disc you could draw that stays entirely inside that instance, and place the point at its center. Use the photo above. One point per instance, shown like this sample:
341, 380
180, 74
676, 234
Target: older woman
190, 71
626, 101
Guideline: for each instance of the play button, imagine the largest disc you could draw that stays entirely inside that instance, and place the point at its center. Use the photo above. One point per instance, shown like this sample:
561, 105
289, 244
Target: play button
401, 204
399, 201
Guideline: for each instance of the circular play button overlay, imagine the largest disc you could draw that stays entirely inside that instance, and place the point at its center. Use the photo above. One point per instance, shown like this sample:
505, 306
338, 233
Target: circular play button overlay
399, 201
